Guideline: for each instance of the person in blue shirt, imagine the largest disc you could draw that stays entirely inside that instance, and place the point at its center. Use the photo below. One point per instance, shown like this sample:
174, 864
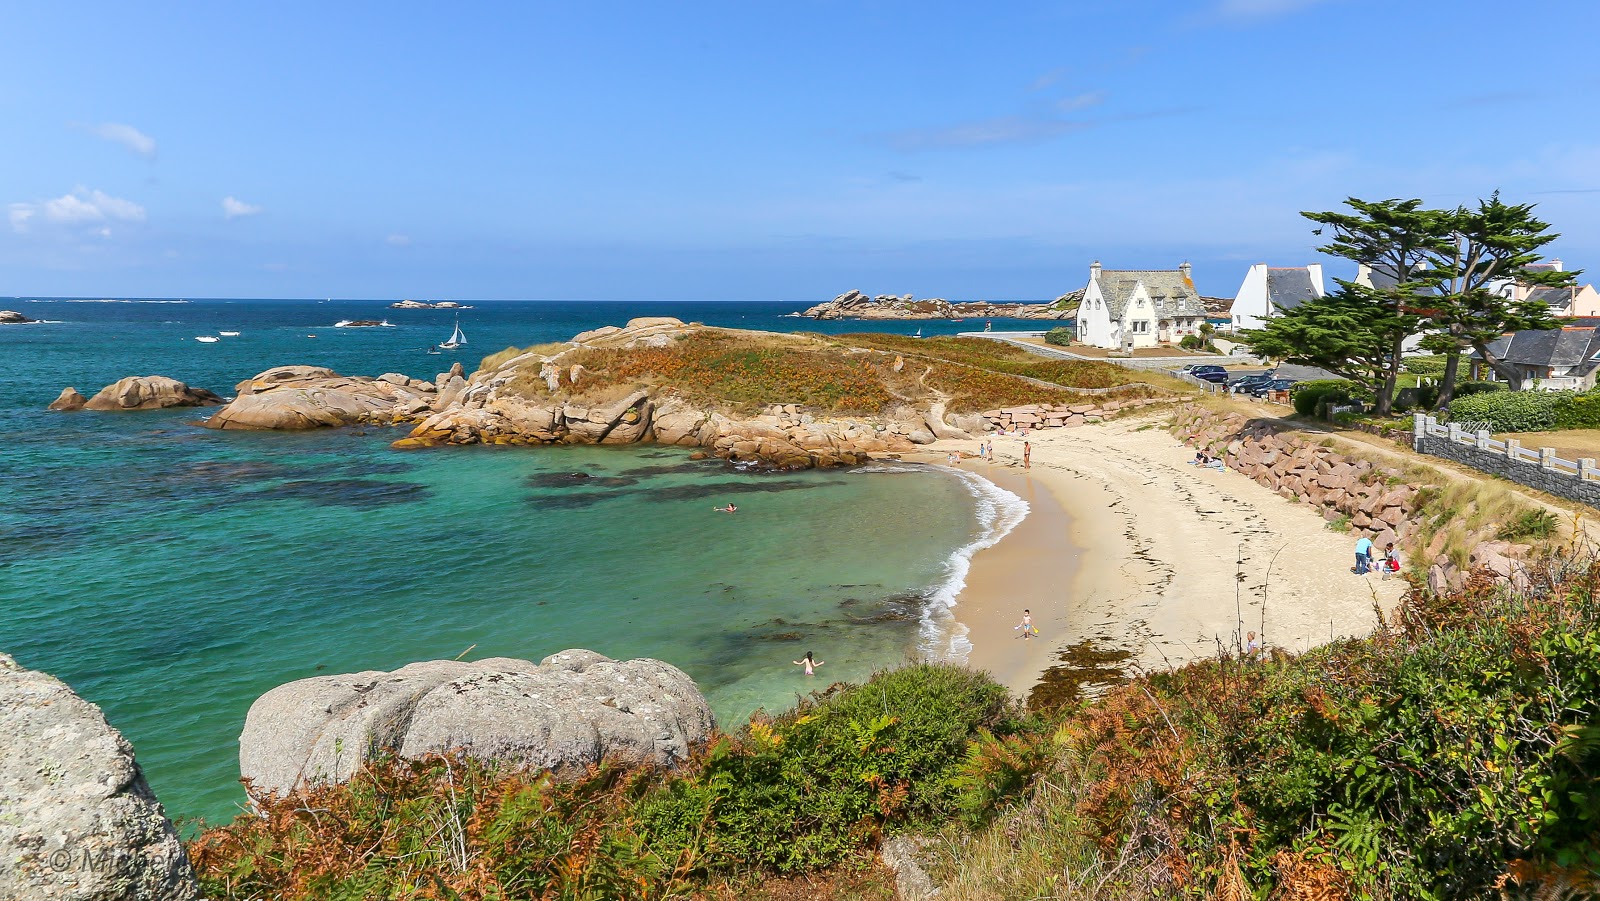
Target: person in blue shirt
1363, 557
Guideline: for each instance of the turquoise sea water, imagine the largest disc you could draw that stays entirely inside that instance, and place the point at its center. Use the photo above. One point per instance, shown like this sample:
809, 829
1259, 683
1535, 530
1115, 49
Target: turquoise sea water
172, 574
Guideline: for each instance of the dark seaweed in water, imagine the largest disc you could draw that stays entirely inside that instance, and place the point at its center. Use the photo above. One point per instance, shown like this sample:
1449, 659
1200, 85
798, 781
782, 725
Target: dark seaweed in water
577, 480
894, 608
359, 493
720, 489
576, 500
1083, 665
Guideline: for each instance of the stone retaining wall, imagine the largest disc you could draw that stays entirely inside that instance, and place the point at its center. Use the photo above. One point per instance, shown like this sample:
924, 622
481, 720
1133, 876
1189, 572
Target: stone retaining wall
1050, 416
1541, 473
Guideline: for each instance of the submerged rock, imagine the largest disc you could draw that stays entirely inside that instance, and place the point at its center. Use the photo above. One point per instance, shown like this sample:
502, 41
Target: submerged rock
149, 392
572, 709
77, 821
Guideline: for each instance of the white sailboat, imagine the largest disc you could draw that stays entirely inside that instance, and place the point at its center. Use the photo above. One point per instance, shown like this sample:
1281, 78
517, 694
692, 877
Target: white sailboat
456, 338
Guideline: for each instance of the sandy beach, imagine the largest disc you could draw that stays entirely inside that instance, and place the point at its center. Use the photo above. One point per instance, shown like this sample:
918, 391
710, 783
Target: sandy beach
1131, 547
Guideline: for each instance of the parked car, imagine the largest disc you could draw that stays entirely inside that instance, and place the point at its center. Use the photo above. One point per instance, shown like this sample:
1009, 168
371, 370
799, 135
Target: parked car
1244, 383
1265, 388
1214, 374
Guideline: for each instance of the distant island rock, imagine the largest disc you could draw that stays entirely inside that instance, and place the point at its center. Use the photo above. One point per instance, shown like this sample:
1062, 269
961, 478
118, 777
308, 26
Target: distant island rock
363, 323
570, 710
79, 822
424, 305
142, 392
12, 317
856, 305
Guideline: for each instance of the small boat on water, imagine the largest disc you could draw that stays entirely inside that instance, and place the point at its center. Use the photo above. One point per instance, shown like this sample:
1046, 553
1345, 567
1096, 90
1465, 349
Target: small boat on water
207, 339
918, 334
229, 334
457, 339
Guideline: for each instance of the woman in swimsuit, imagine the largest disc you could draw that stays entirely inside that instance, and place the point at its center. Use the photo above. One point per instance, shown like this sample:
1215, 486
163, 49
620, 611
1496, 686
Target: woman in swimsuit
809, 663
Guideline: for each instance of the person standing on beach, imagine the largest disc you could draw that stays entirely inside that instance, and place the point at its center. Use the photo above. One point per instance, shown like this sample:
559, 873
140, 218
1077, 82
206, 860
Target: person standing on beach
1363, 556
809, 663
1027, 455
1252, 647
1028, 628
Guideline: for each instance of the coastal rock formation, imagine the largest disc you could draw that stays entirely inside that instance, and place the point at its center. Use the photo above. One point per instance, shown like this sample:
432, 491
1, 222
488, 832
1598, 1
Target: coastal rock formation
495, 406
856, 305
1052, 416
1370, 499
569, 711
12, 317
69, 400
149, 392
423, 305
77, 821
309, 397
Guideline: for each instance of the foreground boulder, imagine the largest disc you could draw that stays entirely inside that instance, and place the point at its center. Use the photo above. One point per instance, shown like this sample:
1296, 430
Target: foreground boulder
77, 821
310, 397
149, 392
570, 710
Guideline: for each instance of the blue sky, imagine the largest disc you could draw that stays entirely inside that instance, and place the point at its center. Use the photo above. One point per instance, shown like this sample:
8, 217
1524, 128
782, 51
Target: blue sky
726, 151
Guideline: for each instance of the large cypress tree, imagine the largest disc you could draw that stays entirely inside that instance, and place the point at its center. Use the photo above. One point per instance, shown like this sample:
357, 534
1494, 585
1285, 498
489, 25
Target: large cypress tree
1493, 243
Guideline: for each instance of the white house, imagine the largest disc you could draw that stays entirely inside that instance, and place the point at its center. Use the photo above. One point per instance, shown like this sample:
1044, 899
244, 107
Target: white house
1574, 301
1266, 290
1127, 308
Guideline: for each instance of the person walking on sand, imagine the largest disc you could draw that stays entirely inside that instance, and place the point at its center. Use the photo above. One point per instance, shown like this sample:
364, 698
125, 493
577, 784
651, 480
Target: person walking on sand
1027, 455
1028, 628
1363, 556
809, 663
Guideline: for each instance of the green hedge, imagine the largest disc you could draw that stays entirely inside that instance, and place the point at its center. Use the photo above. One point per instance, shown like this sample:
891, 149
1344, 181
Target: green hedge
1059, 336
1307, 395
1512, 411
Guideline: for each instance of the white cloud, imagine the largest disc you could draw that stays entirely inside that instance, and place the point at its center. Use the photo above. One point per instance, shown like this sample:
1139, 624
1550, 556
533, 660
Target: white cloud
1080, 101
234, 208
81, 206
126, 135
398, 240
1262, 9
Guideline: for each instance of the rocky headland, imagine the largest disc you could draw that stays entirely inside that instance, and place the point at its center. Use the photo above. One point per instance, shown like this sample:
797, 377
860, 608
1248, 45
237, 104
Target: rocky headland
856, 305
77, 820
12, 317
563, 714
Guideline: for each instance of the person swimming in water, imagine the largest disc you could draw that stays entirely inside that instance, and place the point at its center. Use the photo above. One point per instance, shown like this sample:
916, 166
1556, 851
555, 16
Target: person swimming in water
809, 663
728, 509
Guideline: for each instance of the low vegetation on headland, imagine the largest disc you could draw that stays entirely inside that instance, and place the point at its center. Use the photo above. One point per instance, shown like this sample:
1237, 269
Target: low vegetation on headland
848, 374
1453, 754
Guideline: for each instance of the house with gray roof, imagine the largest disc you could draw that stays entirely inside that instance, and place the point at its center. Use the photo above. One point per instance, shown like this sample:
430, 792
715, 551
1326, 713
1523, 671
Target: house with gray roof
1123, 309
1559, 359
1269, 290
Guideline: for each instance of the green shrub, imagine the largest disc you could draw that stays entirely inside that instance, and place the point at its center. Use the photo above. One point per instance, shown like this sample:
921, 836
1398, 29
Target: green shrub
1539, 524
1059, 336
1463, 389
1511, 411
1307, 395
1428, 367
1191, 342
1579, 411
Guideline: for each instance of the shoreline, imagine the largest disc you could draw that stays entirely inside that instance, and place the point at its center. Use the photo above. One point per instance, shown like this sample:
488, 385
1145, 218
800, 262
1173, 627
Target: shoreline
1128, 547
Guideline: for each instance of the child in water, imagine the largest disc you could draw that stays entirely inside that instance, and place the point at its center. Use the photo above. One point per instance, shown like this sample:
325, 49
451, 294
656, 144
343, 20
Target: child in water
809, 663
728, 509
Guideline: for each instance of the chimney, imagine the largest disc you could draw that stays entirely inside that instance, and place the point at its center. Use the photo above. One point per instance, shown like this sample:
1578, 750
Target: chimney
1188, 275
1094, 271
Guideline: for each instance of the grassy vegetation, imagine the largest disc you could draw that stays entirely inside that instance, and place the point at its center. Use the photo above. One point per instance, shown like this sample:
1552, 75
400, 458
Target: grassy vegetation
999, 356
807, 791
496, 360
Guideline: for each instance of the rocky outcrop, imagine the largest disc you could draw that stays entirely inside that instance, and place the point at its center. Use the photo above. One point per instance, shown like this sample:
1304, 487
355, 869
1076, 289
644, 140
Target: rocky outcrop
68, 400
856, 305
309, 397
1055, 416
77, 821
149, 392
12, 317
423, 305
563, 714
1371, 499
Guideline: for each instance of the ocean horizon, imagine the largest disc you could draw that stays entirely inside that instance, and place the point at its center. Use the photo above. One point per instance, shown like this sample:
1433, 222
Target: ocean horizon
172, 574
